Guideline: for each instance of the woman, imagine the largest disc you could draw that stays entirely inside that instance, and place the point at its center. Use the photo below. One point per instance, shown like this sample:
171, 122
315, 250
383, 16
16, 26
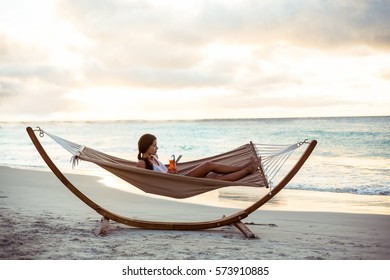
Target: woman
147, 156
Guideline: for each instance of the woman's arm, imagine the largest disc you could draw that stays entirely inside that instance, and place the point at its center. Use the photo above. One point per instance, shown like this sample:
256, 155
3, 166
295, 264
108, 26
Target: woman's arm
141, 164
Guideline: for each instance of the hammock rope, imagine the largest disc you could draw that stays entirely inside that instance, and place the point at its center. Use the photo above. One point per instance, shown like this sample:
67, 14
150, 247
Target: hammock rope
275, 156
272, 159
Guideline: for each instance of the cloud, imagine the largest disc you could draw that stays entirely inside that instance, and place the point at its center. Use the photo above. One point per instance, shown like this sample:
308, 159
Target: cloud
41, 103
311, 22
195, 23
328, 24
385, 74
148, 44
8, 89
252, 54
30, 87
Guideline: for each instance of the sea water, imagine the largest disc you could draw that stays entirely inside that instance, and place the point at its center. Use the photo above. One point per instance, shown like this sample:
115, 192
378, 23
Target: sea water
352, 155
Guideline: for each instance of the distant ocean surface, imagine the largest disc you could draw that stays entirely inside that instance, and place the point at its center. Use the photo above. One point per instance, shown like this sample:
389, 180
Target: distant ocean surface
352, 155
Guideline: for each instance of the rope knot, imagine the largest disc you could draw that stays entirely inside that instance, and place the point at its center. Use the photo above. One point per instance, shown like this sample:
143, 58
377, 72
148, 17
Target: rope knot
75, 159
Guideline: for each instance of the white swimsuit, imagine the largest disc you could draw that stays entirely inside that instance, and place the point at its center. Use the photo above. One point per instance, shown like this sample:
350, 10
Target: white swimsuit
161, 167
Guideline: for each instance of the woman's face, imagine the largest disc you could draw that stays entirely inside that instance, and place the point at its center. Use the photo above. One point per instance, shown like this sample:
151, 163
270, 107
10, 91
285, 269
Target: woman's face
153, 148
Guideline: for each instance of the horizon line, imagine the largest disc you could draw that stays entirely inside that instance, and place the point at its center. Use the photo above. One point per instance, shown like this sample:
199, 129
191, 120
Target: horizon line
189, 120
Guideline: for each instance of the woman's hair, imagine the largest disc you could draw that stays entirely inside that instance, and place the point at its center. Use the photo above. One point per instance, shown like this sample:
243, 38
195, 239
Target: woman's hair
144, 143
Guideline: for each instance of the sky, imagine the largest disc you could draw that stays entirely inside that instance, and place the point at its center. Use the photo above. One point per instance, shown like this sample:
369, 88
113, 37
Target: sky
166, 60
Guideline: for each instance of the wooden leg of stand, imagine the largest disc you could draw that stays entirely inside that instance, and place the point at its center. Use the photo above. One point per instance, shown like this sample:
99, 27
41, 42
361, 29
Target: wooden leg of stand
245, 230
102, 227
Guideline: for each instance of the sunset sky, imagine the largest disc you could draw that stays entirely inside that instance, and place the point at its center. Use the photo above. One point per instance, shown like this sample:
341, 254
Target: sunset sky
108, 60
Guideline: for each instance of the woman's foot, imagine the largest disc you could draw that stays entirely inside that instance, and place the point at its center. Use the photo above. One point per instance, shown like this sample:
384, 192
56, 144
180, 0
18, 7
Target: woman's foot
252, 165
250, 162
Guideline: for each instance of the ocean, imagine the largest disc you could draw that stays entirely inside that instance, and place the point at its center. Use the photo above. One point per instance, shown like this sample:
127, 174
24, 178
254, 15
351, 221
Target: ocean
352, 155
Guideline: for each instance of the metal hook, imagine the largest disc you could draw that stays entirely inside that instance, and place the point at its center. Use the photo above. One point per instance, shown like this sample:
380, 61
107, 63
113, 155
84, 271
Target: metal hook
306, 141
41, 132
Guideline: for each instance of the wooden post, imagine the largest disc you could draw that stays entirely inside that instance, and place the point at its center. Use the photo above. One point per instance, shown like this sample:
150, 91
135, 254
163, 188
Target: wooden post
245, 230
102, 227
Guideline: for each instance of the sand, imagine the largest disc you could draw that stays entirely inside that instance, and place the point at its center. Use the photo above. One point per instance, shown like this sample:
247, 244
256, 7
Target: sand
42, 220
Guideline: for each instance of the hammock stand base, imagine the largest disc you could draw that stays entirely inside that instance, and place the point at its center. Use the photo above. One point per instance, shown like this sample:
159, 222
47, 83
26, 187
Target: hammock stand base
234, 219
102, 228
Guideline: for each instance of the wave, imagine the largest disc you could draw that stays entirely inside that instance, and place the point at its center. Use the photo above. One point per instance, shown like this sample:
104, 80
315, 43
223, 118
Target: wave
359, 190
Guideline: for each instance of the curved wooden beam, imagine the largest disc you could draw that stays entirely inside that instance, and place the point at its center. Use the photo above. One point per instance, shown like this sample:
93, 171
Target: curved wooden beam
229, 220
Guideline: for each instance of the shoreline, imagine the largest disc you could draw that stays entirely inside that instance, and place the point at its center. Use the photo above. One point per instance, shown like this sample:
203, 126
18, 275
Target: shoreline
43, 220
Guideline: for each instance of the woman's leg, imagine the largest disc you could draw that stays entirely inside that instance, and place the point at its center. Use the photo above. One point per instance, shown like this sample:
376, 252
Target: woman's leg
235, 172
234, 176
207, 167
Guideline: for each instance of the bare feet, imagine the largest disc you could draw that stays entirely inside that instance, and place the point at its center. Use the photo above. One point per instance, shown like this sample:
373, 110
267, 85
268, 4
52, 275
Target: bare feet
253, 165
250, 162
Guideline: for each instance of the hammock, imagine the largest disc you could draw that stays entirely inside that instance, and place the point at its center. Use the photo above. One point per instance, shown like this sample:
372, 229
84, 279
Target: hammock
272, 158
178, 185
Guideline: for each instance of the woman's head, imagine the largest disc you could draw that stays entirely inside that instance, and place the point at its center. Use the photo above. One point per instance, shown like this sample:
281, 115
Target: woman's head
147, 143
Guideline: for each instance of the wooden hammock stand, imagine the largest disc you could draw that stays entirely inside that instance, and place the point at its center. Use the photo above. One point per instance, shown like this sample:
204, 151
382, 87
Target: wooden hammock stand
234, 219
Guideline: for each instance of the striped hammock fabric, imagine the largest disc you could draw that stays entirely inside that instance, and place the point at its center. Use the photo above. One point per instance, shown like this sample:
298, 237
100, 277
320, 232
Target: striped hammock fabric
178, 185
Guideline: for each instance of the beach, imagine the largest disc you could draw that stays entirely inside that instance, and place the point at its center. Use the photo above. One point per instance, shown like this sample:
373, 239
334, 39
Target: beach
42, 220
